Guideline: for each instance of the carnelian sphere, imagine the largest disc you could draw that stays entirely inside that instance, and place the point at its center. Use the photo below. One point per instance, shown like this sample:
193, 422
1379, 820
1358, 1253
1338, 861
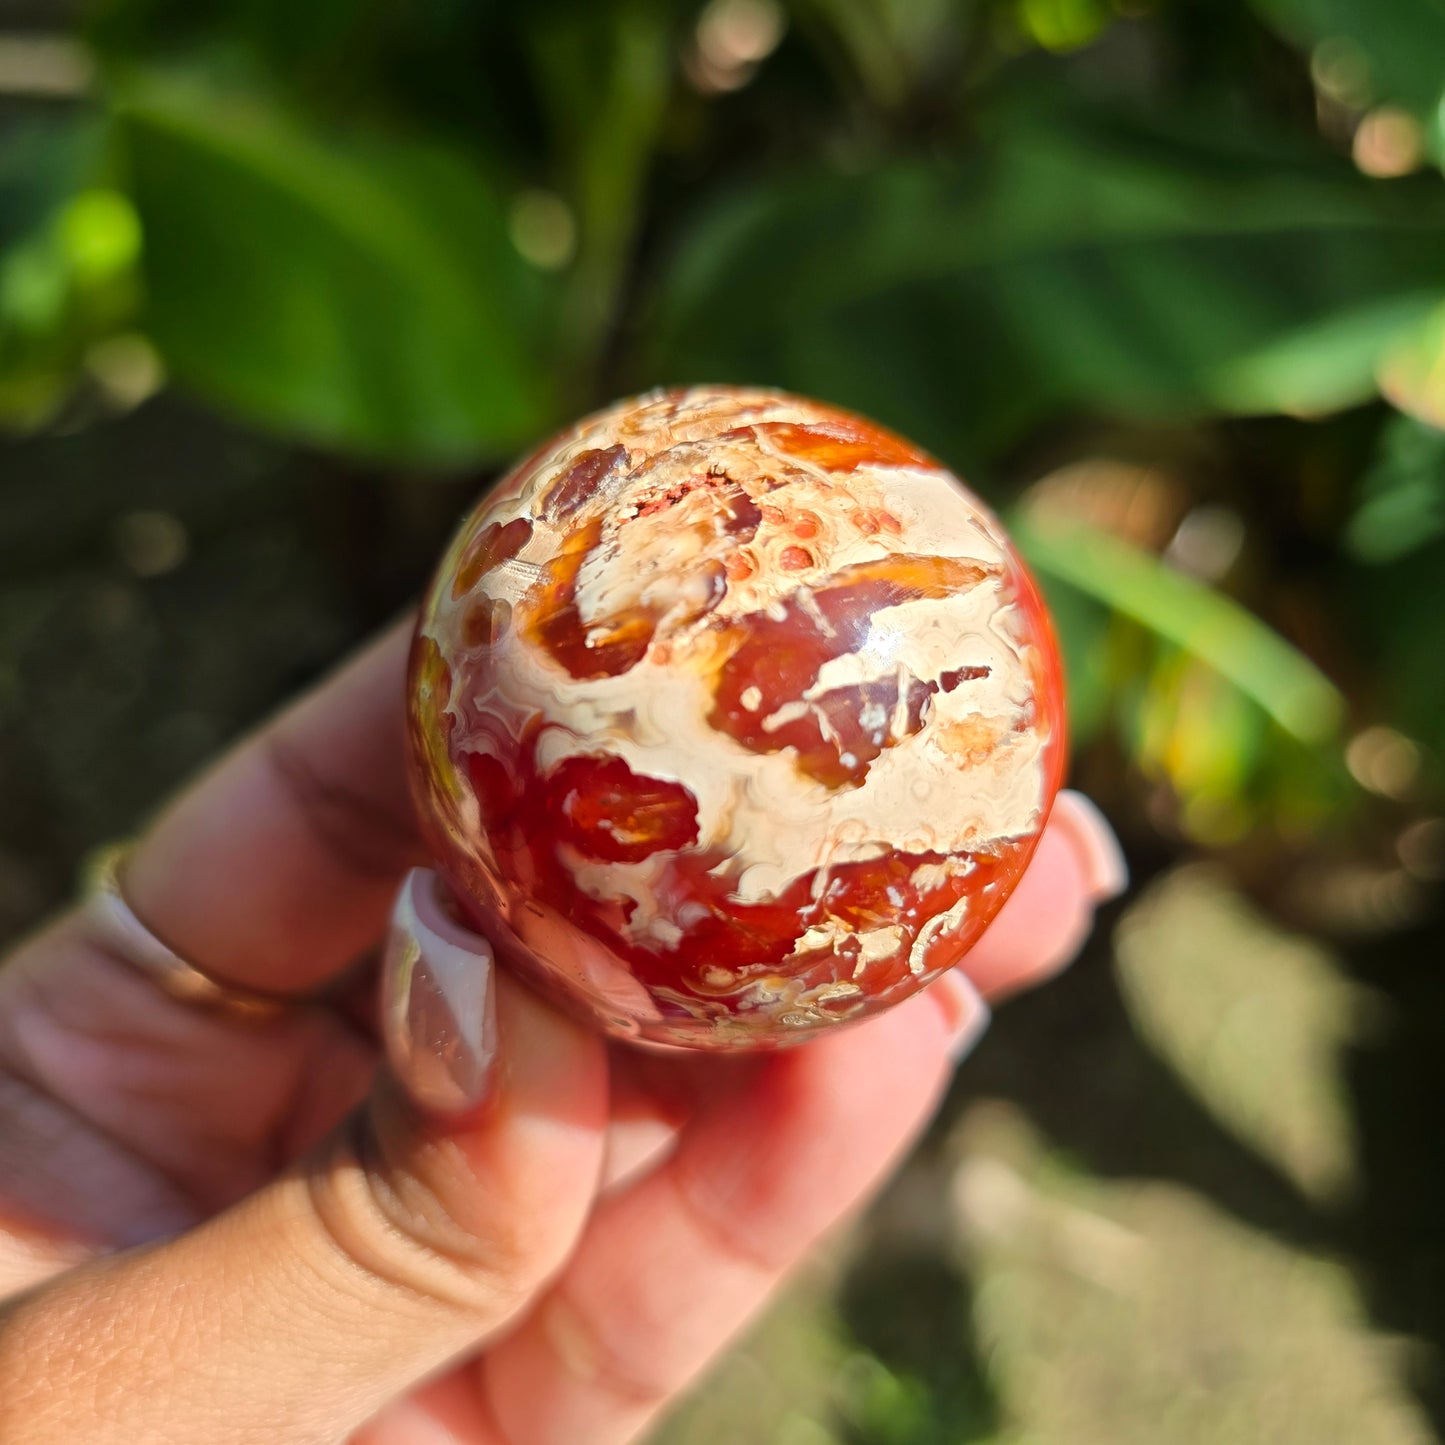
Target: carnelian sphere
734, 717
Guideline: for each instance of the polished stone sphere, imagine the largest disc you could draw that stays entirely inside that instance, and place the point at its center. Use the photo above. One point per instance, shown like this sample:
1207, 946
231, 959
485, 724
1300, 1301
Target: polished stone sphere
734, 718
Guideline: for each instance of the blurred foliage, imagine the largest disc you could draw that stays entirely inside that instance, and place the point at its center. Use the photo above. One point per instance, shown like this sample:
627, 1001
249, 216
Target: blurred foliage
1371, 50
1165, 279
352, 291
421, 236
1070, 257
68, 252
1402, 496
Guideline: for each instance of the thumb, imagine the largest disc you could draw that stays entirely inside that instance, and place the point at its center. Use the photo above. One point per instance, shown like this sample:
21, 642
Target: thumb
405, 1241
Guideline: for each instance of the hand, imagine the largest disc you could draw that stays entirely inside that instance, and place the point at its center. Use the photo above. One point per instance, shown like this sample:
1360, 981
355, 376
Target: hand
224, 1230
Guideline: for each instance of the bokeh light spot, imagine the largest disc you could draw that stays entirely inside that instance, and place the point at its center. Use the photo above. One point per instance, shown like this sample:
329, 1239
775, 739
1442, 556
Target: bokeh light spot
542, 229
1389, 142
1384, 761
100, 234
1062, 25
1341, 72
127, 368
732, 38
149, 543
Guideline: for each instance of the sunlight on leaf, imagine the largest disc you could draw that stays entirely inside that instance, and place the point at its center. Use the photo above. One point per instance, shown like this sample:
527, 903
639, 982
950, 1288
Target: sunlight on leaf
69, 247
349, 290
1412, 374
1323, 366
1063, 24
101, 234
1078, 257
1206, 737
1203, 622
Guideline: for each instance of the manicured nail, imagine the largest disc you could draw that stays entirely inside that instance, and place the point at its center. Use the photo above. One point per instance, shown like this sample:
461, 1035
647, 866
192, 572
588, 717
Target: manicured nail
1106, 874
438, 1004
966, 1013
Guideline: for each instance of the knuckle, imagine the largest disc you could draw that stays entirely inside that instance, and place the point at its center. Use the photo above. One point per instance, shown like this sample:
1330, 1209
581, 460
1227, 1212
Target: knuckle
721, 1233
368, 838
420, 1221
584, 1352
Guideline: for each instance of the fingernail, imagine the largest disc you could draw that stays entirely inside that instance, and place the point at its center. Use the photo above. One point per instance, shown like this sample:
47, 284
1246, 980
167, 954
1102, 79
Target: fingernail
964, 1011
438, 1008
1106, 873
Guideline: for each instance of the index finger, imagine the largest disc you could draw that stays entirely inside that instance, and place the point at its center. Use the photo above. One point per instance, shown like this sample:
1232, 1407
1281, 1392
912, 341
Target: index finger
276, 869
673, 1266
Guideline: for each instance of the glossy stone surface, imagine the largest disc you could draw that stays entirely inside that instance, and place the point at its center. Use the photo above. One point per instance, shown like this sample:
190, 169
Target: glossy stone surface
734, 717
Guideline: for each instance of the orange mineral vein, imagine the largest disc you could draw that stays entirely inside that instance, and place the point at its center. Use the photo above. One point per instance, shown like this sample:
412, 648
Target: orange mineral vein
733, 716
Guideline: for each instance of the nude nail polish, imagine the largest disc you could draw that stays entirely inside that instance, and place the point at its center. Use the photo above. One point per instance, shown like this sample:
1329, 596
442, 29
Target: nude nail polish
1106, 873
967, 1014
438, 1004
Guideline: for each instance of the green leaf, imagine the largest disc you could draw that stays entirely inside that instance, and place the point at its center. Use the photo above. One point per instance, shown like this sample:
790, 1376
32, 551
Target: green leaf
1402, 44
1082, 626
41, 164
604, 76
358, 292
1076, 260
1403, 633
1402, 496
68, 252
1204, 623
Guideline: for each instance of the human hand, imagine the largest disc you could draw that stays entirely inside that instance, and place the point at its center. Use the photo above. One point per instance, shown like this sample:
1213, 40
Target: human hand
217, 1229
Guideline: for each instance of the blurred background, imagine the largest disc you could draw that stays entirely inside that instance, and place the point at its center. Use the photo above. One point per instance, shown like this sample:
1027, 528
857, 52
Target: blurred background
284, 285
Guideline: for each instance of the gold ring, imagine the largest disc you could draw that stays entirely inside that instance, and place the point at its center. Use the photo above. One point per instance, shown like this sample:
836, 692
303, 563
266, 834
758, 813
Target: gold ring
114, 925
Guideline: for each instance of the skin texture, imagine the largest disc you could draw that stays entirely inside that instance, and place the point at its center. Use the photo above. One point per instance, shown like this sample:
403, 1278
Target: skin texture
735, 717
232, 1232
